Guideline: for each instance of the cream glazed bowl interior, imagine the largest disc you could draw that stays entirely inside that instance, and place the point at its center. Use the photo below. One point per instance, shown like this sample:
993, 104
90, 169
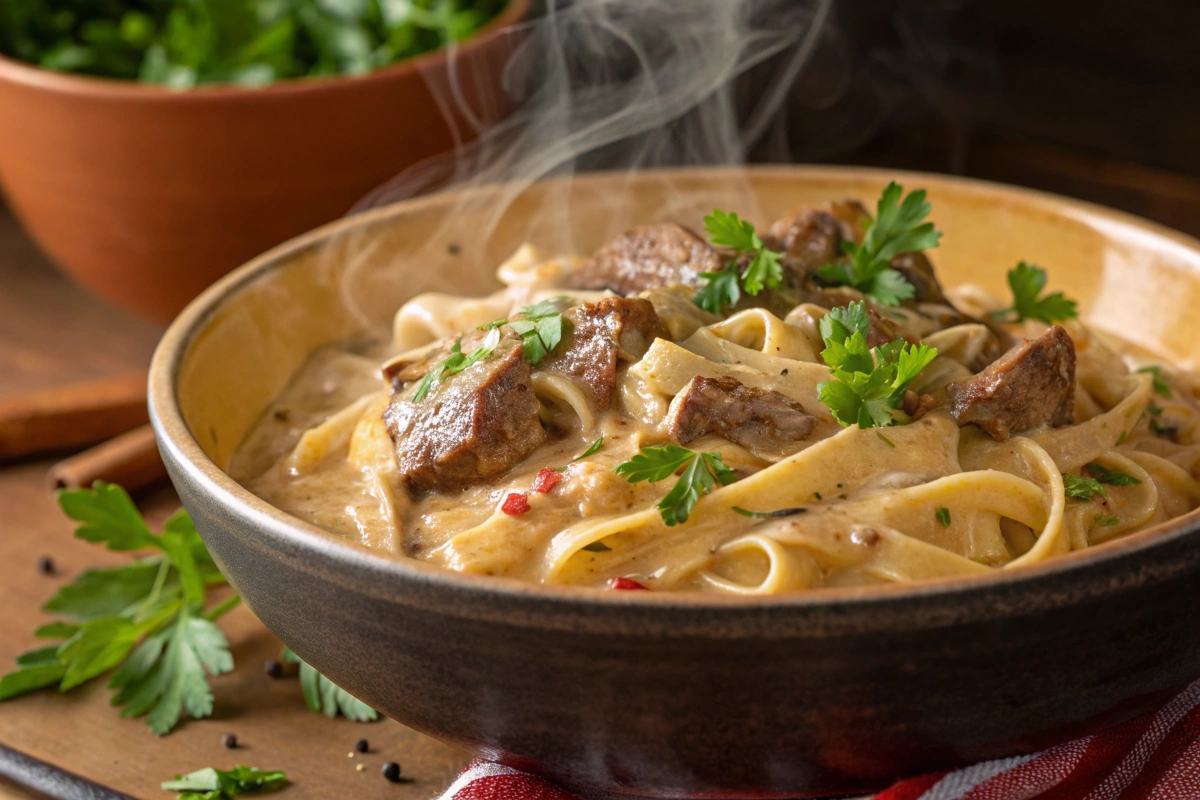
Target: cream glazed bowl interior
669, 695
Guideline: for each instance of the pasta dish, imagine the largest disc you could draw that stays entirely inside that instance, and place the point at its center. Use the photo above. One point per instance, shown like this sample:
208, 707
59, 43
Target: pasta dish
740, 411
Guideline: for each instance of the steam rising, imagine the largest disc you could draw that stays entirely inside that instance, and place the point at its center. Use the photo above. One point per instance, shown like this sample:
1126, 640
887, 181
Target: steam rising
620, 85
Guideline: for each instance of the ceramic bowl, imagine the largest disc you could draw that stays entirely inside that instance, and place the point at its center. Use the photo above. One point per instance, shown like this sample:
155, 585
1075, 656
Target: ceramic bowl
146, 195
685, 695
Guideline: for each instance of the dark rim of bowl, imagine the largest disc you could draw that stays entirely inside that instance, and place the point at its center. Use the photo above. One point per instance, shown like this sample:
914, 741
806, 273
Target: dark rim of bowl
287, 531
69, 83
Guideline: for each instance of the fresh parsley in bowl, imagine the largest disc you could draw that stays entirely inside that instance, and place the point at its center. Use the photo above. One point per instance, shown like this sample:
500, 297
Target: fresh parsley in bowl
181, 43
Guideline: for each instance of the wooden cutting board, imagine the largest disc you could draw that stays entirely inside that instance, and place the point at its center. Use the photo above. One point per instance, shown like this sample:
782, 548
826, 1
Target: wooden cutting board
52, 333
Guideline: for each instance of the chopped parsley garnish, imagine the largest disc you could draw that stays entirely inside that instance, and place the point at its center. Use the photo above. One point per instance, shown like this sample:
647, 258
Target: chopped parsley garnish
897, 228
216, 784
700, 475
323, 696
1121, 438
887, 441
783, 512
943, 516
1107, 520
592, 450
866, 390
1078, 487
1112, 477
596, 547
146, 618
1161, 387
1027, 282
541, 329
724, 288
457, 362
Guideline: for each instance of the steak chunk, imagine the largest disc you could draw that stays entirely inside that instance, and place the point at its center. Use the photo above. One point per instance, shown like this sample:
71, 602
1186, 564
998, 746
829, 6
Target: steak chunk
810, 238
1032, 384
471, 427
602, 333
764, 422
646, 257
917, 270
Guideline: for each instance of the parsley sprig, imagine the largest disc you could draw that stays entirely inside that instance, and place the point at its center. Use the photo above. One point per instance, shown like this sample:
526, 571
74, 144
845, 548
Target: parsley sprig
147, 618
541, 329
326, 697
1112, 477
217, 784
456, 362
1026, 282
1159, 384
897, 228
868, 385
1077, 487
724, 288
701, 472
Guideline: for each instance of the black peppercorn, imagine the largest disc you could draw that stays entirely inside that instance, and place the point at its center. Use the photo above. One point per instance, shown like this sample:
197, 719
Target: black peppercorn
391, 771
273, 668
362, 746
46, 565
229, 741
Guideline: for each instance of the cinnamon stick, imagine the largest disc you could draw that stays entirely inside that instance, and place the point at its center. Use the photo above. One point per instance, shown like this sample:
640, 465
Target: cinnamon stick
71, 417
130, 459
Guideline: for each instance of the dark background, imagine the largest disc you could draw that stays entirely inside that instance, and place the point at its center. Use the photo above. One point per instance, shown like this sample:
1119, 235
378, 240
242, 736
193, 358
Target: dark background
1099, 100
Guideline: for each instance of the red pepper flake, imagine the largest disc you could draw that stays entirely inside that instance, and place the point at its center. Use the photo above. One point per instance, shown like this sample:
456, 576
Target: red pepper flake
546, 480
516, 503
624, 583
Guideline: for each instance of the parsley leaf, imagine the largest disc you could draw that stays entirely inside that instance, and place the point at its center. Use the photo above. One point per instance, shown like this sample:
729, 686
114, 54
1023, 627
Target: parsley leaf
1112, 477
1161, 387
215, 784
592, 450
145, 619
1026, 282
897, 228
1078, 487
456, 362
943, 516
324, 696
867, 387
700, 475
1107, 520
541, 330
764, 270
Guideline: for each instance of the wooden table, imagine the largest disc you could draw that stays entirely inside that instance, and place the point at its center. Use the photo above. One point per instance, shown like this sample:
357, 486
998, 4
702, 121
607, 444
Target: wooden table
76, 745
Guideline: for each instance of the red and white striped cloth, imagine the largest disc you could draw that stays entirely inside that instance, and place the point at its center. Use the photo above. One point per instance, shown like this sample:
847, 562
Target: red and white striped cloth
1155, 757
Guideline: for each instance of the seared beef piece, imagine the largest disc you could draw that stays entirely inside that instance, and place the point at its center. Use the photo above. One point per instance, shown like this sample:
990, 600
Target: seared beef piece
399, 373
1032, 384
917, 270
810, 238
601, 333
646, 257
764, 422
472, 426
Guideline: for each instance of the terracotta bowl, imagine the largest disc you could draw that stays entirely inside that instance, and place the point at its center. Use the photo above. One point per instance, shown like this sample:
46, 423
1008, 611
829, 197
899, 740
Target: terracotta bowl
686, 695
147, 195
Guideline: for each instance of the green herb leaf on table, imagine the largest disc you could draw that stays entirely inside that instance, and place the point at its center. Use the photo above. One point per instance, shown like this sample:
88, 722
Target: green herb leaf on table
898, 227
724, 288
867, 386
1026, 282
1159, 384
701, 472
1112, 477
326, 697
1078, 487
215, 784
146, 619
